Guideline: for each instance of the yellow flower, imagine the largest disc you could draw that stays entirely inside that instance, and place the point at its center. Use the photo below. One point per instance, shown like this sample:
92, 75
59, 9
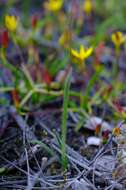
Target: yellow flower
79, 57
87, 6
65, 38
118, 38
53, 5
116, 131
11, 22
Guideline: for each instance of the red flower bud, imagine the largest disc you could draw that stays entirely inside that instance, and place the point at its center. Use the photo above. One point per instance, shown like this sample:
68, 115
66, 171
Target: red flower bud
34, 21
46, 77
105, 136
4, 39
98, 129
15, 97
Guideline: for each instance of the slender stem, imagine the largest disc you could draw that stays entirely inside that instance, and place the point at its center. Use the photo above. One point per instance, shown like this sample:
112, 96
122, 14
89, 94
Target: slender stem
116, 64
26, 98
64, 121
6, 89
27, 75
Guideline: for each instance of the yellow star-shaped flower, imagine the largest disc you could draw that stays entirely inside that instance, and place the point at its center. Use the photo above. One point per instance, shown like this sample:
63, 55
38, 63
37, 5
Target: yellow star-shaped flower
116, 131
118, 38
53, 5
65, 38
87, 6
11, 22
79, 57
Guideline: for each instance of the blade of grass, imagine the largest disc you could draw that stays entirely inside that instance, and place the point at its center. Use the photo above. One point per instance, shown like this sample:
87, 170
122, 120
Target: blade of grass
27, 75
64, 160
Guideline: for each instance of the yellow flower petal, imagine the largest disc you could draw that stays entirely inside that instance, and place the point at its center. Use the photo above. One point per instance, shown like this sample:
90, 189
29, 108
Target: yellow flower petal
82, 51
88, 52
74, 53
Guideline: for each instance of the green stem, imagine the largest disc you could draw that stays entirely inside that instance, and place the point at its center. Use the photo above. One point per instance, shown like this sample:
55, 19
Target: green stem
26, 98
116, 64
6, 89
64, 121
